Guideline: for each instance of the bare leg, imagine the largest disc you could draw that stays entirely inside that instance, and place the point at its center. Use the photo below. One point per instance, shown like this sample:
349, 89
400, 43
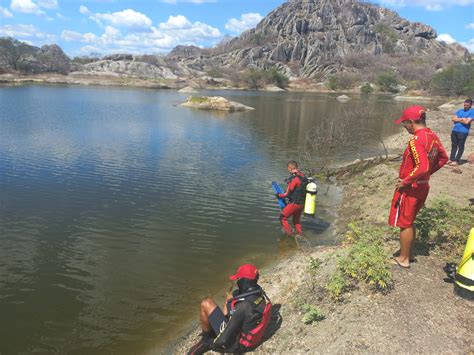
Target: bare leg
207, 306
407, 237
412, 246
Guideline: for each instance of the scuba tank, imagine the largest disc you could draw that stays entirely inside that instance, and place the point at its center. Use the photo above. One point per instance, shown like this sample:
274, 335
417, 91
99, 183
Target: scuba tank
310, 200
463, 274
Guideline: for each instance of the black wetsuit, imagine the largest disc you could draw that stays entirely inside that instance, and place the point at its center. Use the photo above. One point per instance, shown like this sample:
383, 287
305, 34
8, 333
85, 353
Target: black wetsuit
244, 317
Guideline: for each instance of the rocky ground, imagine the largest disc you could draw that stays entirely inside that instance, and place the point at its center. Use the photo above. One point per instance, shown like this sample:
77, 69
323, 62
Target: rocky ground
421, 314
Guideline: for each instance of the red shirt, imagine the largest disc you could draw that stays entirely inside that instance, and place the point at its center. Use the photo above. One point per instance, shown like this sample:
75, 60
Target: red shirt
424, 155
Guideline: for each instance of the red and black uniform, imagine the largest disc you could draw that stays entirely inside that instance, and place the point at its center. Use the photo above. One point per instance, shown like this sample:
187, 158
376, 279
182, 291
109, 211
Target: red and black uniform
424, 156
294, 208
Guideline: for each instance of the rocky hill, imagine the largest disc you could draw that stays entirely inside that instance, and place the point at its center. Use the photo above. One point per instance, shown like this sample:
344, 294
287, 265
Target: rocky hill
308, 37
16, 56
302, 38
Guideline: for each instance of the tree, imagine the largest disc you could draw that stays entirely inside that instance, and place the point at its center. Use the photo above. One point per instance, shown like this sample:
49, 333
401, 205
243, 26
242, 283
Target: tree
455, 80
354, 135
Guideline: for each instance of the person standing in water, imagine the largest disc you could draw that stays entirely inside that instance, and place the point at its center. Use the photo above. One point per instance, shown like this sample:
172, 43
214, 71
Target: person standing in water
296, 195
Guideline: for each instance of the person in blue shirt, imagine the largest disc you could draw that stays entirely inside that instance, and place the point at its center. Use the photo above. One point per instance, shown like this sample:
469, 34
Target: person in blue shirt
462, 122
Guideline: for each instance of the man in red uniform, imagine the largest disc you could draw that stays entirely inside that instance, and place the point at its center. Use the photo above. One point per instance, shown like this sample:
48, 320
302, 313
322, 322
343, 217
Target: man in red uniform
424, 155
296, 195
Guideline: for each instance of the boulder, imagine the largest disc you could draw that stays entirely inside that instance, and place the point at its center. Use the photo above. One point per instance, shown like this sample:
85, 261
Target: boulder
215, 103
188, 90
273, 88
343, 98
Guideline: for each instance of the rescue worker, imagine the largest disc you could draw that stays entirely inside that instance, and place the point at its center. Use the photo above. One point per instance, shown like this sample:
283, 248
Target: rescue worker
296, 195
243, 320
423, 156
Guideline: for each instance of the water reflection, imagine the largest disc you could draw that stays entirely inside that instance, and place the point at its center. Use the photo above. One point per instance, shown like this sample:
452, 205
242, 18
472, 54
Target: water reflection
119, 210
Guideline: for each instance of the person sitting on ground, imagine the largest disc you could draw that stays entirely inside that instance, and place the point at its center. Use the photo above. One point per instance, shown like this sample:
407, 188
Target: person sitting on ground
423, 156
241, 324
462, 123
296, 196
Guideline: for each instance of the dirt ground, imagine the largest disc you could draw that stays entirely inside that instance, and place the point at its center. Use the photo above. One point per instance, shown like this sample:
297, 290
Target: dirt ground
421, 314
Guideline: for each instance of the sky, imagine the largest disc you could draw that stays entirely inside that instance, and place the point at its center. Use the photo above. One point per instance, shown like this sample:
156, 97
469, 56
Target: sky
85, 27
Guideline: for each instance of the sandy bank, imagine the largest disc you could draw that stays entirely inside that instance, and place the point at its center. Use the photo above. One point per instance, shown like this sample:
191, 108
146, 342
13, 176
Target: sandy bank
433, 319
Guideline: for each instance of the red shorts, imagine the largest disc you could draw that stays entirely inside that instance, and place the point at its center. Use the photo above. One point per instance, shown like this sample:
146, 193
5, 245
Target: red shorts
406, 204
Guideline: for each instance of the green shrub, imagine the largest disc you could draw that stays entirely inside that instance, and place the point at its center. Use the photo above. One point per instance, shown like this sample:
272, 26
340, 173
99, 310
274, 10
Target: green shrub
312, 314
253, 78
215, 72
274, 76
387, 81
256, 78
366, 89
342, 81
367, 260
455, 80
198, 99
314, 265
444, 227
337, 285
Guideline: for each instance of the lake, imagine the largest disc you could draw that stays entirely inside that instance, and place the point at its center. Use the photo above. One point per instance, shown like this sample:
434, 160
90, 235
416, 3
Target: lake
120, 210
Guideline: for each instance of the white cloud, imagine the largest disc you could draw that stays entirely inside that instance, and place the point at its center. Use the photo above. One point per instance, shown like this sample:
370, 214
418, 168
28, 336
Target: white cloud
246, 21
26, 6
175, 22
72, 36
446, 38
177, 30
430, 5
434, 7
5, 13
469, 45
126, 18
30, 31
84, 10
188, 1
90, 49
470, 26
48, 4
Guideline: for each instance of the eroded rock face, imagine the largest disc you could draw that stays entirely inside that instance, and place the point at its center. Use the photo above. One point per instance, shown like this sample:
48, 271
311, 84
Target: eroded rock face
301, 38
316, 35
129, 68
19, 56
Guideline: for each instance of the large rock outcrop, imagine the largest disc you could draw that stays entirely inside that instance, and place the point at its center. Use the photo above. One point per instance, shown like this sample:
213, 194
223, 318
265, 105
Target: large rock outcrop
19, 56
315, 36
301, 38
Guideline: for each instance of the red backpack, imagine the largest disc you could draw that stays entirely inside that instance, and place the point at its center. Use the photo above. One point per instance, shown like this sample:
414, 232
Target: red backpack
253, 337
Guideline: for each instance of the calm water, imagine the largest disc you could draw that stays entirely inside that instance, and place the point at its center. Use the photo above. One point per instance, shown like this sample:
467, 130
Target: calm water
120, 210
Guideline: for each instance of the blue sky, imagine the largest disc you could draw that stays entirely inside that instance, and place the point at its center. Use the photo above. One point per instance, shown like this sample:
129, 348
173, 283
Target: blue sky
82, 27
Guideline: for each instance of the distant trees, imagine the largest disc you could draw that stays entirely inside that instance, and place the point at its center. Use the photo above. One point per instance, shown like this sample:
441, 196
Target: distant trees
257, 78
387, 81
455, 80
343, 81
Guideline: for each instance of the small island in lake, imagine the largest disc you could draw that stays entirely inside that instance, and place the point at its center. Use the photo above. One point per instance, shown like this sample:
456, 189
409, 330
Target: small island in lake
215, 103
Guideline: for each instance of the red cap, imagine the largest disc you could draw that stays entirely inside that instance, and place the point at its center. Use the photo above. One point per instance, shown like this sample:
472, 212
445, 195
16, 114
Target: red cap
246, 271
411, 113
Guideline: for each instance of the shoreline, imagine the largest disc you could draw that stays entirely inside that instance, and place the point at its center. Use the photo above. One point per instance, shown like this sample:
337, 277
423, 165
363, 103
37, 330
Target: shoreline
287, 281
117, 80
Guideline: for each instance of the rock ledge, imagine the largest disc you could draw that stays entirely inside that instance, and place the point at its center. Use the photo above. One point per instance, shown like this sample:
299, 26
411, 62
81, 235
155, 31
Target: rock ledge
215, 103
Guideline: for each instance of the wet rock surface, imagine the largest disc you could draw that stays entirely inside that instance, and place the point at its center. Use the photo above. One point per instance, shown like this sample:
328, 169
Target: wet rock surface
215, 103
